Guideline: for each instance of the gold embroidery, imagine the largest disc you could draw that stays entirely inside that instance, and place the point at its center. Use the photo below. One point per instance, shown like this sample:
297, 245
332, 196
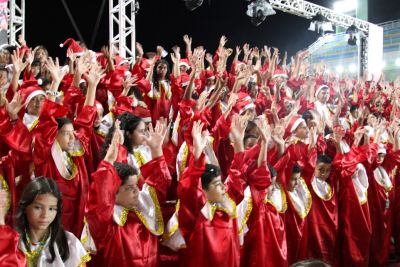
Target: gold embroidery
328, 196
304, 213
74, 169
4, 186
284, 201
232, 214
85, 238
139, 158
184, 158
249, 208
175, 227
142, 218
33, 125
86, 258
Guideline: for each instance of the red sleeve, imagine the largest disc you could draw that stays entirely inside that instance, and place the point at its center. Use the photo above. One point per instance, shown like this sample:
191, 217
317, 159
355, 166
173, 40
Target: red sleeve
101, 201
349, 161
122, 154
236, 182
83, 125
157, 175
260, 178
10, 254
391, 161
17, 136
191, 196
72, 97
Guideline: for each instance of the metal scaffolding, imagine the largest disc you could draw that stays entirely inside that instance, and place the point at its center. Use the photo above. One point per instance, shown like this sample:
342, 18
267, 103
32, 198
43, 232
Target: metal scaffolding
16, 24
122, 29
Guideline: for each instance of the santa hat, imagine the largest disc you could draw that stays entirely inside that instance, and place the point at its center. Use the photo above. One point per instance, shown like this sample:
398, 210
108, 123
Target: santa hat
184, 62
243, 103
116, 81
279, 73
381, 149
321, 87
292, 126
209, 74
120, 60
235, 66
143, 113
30, 89
76, 48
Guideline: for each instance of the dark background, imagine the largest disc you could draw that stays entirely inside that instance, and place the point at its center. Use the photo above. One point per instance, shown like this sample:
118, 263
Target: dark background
164, 22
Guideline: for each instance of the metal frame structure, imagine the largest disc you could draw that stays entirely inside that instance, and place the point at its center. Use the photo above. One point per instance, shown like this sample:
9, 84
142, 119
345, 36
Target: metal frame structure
122, 28
17, 20
308, 10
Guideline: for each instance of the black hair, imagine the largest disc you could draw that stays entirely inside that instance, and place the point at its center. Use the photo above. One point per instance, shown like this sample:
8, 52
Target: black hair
310, 263
38, 186
322, 158
296, 168
61, 121
210, 172
307, 115
272, 170
124, 171
251, 125
155, 75
353, 108
129, 123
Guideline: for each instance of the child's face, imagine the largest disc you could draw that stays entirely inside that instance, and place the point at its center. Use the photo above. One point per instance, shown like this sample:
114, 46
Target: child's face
216, 190
128, 193
42, 211
301, 131
322, 170
293, 182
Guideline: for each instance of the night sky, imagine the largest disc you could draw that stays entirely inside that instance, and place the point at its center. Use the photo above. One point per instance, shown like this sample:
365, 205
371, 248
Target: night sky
164, 22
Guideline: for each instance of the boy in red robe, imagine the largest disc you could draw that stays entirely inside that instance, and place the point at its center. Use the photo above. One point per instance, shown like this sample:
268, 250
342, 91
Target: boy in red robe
124, 223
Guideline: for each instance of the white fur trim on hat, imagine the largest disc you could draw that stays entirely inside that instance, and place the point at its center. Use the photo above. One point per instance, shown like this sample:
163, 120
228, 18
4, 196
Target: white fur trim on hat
184, 64
146, 119
382, 149
284, 75
248, 106
296, 124
322, 87
33, 94
99, 106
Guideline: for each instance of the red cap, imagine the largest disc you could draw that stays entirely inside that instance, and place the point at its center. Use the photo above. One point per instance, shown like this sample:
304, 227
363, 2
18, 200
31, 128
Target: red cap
279, 73
76, 48
292, 126
184, 62
243, 103
30, 89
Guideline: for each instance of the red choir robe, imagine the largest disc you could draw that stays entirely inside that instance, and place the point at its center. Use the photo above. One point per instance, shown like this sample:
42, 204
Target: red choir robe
265, 241
322, 221
10, 254
48, 160
299, 202
158, 100
210, 231
380, 200
124, 237
354, 232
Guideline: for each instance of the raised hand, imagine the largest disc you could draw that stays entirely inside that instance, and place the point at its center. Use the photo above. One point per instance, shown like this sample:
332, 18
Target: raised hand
117, 139
95, 74
128, 83
56, 72
263, 129
14, 106
200, 138
18, 64
155, 137
187, 40
139, 49
238, 128
222, 41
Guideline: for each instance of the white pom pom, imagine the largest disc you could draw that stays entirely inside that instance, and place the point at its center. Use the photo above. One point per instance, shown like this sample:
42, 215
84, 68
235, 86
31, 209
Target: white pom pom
40, 81
61, 45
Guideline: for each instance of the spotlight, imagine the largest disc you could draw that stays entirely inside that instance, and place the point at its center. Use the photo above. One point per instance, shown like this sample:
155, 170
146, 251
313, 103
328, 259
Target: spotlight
397, 62
258, 10
320, 24
193, 4
353, 68
339, 69
352, 32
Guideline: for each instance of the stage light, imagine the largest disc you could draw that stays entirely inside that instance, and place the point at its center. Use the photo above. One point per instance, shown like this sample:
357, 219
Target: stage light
339, 69
353, 68
397, 62
193, 4
258, 10
352, 31
345, 6
320, 24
